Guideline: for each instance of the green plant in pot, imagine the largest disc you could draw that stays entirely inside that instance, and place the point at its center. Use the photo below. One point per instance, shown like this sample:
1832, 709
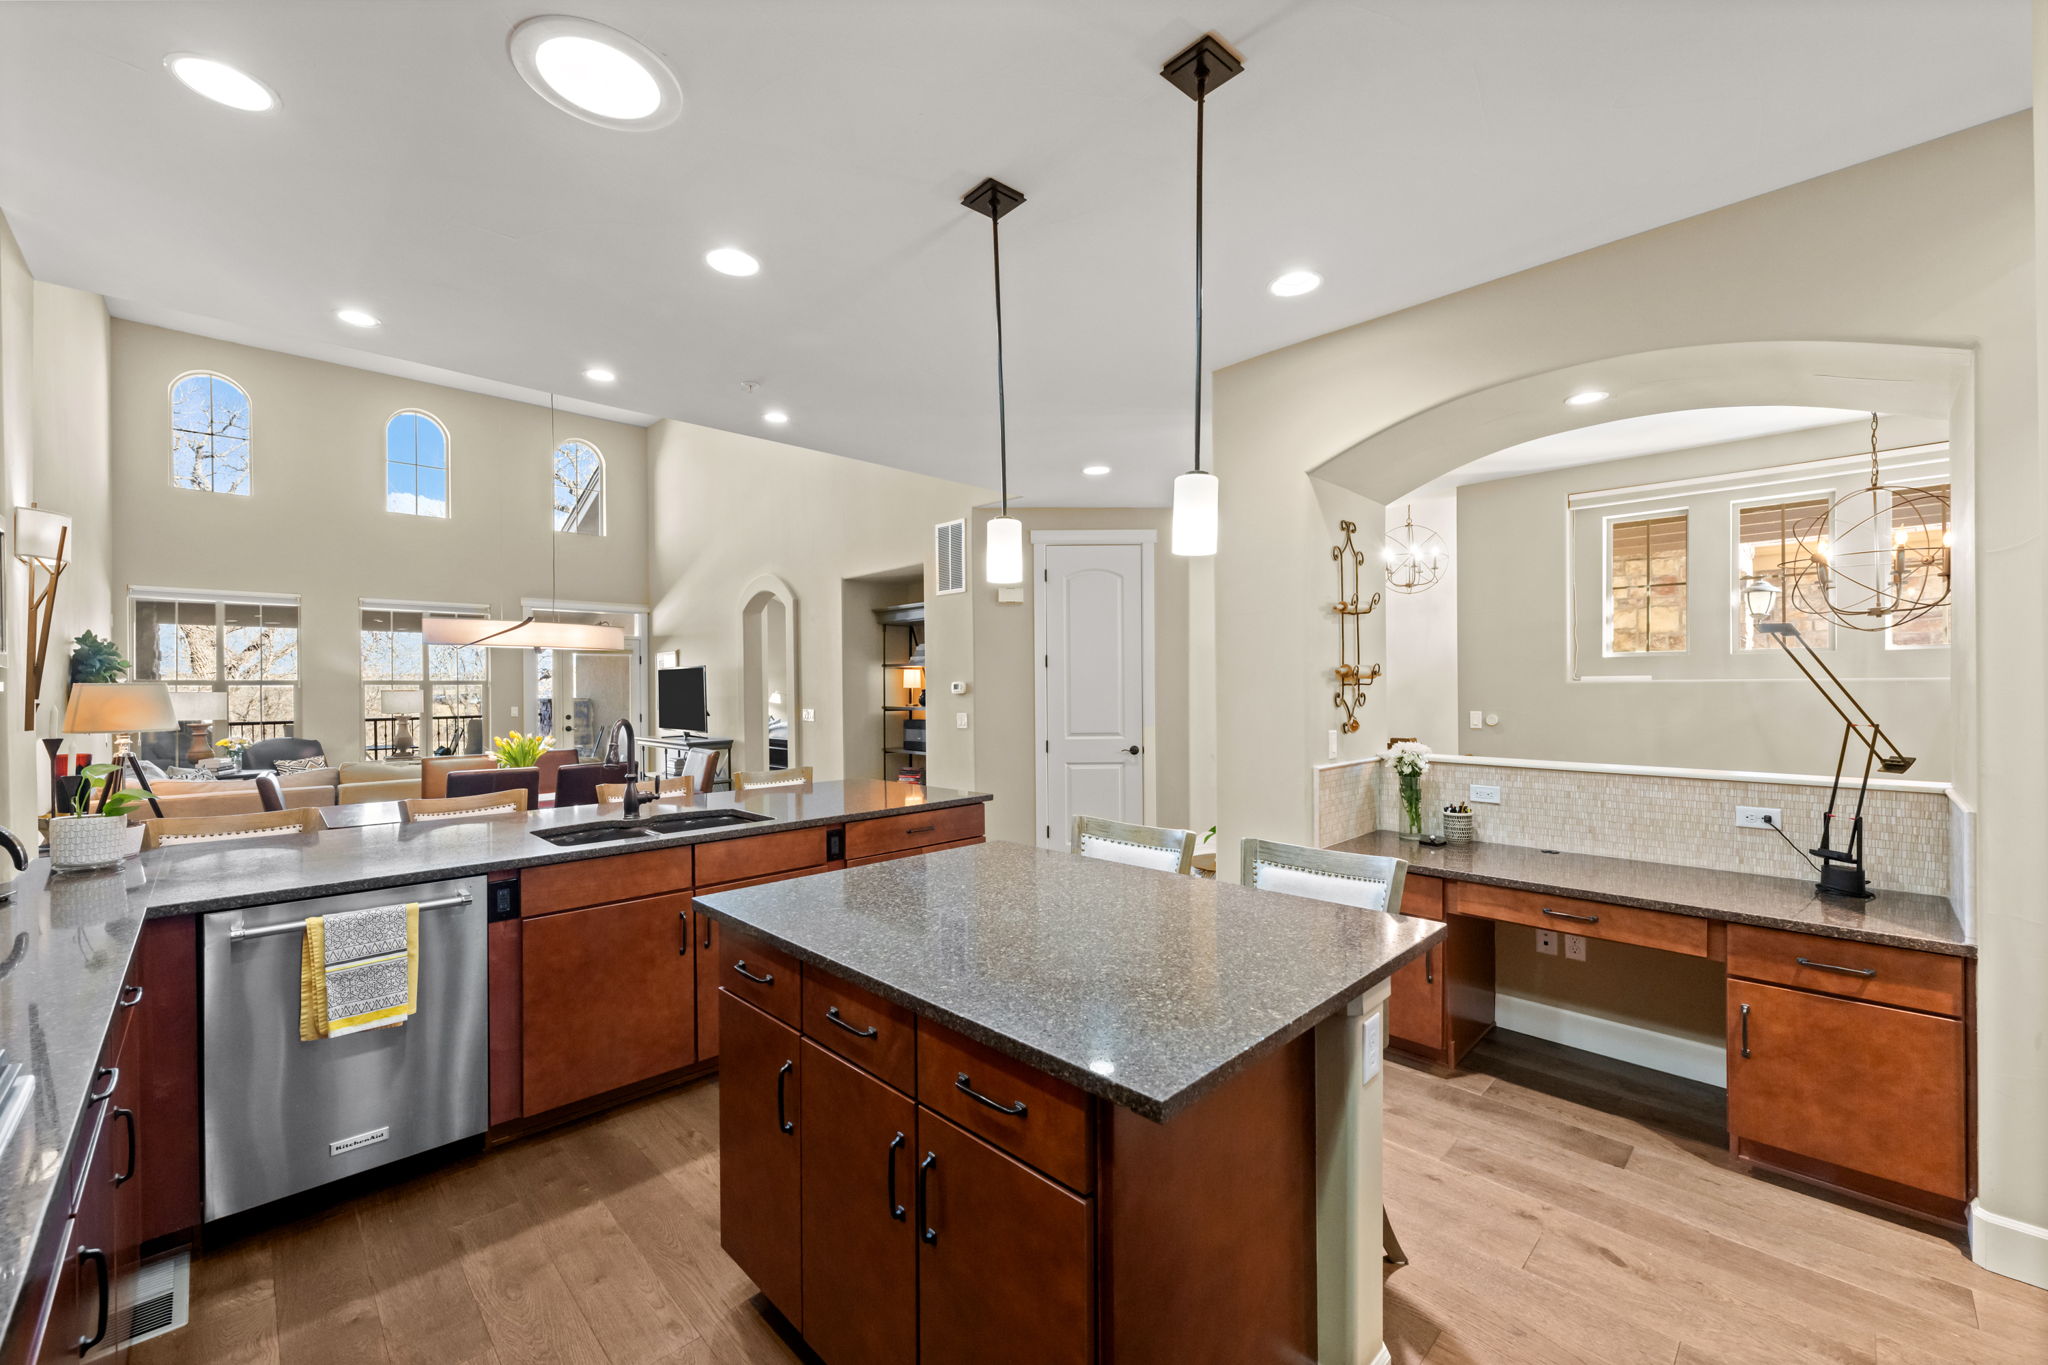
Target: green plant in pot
84, 840
94, 660
521, 751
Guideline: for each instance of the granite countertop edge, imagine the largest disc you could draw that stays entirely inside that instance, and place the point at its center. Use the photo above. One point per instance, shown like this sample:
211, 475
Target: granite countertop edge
1159, 1108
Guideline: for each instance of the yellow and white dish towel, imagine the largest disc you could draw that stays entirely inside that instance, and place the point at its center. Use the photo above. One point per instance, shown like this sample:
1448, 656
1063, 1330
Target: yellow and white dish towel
359, 969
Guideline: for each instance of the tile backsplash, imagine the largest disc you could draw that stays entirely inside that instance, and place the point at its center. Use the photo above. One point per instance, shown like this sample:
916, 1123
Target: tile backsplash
1689, 821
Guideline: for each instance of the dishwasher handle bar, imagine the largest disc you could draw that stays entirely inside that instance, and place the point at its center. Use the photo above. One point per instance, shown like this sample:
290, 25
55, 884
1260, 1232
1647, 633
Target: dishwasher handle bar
292, 926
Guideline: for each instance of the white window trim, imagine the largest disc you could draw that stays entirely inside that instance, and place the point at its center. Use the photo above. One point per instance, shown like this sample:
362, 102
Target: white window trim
425, 680
220, 682
447, 468
170, 425
1825, 494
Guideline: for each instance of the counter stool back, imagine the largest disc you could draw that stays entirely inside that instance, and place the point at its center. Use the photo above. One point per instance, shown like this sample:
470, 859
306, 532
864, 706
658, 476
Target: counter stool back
701, 767
1366, 880
1168, 850
774, 777
668, 789
420, 808
194, 829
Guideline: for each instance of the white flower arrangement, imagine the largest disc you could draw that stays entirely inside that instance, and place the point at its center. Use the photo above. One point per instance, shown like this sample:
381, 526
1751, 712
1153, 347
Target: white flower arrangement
1411, 758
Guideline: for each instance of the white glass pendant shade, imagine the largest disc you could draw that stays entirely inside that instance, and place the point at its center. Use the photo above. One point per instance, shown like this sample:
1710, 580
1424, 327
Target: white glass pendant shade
525, 634
1005, 552
1194, 514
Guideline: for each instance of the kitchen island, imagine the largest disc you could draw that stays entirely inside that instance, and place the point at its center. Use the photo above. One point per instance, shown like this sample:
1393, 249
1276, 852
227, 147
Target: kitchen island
1002, 1104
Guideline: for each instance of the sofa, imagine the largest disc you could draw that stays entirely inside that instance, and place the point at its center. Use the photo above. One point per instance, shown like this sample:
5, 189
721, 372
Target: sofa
348, 784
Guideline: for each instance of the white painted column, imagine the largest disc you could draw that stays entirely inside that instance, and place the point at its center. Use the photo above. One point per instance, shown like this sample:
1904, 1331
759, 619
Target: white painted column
1350, 1102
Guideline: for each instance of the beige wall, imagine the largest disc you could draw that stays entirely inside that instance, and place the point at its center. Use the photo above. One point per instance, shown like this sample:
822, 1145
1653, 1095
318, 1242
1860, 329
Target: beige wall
725, 510
53, 452
315, 522
1952, 267
1421, 684
1006, 676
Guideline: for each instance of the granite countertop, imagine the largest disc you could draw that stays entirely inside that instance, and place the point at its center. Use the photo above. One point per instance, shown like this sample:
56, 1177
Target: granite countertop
1142, 987
195, 879
65, 948
1900, 919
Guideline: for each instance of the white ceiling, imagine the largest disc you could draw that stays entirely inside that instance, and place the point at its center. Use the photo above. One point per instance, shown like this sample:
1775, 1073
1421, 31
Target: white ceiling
1403, 148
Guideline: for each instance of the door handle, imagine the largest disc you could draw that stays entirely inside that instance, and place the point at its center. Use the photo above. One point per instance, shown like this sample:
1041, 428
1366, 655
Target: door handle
782, 1097
707, 931
99, 1260
683, 922
129, 1174
1428, 966
1015, 1111
896, 1210
1134, 749
741, 968
129, 1002
868, 1032
1745, 1030
113, 1075
924, 1171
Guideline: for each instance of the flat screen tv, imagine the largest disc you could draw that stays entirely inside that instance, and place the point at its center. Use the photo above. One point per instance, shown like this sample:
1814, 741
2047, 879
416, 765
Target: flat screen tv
679, 699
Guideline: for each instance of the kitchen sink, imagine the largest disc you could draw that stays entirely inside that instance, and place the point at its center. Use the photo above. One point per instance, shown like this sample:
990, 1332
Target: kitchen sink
593, 834
618, 831
689, 822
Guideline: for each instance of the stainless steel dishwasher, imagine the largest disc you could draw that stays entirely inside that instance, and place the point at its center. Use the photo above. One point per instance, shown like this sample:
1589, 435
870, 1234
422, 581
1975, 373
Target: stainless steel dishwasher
283, 1116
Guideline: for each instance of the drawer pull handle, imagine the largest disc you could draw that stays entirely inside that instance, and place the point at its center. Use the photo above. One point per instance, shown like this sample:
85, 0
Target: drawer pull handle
782, 1097
1429, 966
129, 1174
868, 1032
896, 1210
1865, 972
921, 829
99, 1260
960, 1083
128, 1001
924, 1172
1581, 919
1745, 1030
741, 968
113, 1075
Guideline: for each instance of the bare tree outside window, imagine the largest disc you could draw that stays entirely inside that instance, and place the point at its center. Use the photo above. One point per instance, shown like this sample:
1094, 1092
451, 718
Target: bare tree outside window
209, 435
579, 489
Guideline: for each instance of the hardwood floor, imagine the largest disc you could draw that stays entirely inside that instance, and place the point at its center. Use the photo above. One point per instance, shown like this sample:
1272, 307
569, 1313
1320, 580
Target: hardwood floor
1555, 1207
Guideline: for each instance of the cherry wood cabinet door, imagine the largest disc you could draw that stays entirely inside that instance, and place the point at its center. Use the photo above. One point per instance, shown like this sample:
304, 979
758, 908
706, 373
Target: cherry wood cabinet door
859, 1244
705, 950
1868, 1087
1415, 1006
760, 1151
606, 999
1005, 1257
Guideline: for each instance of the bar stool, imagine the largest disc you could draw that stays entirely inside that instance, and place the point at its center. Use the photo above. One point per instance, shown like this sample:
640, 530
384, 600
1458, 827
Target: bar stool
1168, 850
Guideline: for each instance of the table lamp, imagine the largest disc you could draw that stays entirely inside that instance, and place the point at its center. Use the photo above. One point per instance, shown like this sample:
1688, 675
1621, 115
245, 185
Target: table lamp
401, 702
200, 710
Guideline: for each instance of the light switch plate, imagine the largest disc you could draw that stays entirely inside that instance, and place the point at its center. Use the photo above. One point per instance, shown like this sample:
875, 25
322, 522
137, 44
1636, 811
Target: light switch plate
1575, 947
809, 715
1333, 744
959, 720
1486, 796
1476, 720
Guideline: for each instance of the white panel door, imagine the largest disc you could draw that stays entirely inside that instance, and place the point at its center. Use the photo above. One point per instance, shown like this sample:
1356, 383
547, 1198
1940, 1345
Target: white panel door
1094, 686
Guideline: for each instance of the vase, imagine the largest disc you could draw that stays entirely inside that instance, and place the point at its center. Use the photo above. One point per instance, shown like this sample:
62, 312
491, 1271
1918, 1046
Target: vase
1409, 818
86, 843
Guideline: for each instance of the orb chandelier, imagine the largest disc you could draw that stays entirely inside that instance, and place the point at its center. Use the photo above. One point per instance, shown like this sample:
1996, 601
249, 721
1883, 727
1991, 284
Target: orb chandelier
1878, 557
1415, 556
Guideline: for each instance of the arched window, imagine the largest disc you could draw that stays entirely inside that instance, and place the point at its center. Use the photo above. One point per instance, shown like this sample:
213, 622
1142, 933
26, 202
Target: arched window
209, 434
416, 465
579, 489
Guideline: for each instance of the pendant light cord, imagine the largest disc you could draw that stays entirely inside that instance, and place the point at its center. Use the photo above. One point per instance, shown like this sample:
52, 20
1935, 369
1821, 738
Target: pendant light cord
1201, 103
995, 233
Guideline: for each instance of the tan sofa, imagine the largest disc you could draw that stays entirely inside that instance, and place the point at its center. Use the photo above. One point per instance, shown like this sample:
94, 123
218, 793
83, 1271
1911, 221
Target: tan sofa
347, 785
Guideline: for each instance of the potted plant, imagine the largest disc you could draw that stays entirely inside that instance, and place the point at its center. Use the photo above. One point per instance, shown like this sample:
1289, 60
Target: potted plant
521, 751
83, 840
1411, 761
94, 660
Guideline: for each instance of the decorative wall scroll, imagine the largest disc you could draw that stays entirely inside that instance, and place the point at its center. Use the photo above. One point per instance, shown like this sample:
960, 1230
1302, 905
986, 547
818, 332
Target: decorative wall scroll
1352, 675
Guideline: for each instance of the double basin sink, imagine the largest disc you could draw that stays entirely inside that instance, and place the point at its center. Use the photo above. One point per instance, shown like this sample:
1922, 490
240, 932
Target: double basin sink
624, 831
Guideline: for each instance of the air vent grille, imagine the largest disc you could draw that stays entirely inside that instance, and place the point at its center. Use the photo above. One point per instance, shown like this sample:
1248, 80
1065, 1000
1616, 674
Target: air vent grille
952, 556
162, 1291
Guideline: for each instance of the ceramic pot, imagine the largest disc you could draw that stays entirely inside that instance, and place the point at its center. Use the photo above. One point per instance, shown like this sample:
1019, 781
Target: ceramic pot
80, 843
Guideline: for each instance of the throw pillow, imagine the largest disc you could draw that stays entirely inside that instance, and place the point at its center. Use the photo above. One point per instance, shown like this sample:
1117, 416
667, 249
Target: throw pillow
188, 775
299, 765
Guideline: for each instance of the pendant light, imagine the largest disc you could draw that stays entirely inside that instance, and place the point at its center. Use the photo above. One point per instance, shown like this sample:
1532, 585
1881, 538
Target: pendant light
529, 632
1878, 558
1415, 557
1195, 71
1005, 535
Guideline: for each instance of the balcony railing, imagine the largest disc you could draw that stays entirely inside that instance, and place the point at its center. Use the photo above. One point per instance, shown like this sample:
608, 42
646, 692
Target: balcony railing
400, 736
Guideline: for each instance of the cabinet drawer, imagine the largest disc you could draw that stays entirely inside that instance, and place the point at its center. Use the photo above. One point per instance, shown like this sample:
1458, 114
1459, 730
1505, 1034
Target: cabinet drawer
598, 881
1027, 1113
877, 1035
1861, 971
767, 978
1592, 919
759, 855
1422, 897
918, 828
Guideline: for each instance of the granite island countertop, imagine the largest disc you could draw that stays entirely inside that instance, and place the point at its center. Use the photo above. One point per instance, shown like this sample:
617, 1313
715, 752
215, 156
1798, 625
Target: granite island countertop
1141, 987
1899, 919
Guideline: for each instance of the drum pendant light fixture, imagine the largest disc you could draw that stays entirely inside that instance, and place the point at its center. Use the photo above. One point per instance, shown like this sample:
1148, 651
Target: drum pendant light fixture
1005, 551
1195, 71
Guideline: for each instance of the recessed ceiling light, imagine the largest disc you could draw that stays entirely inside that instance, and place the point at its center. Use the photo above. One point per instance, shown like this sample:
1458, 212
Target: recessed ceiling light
1586, 397
1296, 282
730, 260
356, 317
775, 417
598, 374
596, 73
1094, 471
221, 83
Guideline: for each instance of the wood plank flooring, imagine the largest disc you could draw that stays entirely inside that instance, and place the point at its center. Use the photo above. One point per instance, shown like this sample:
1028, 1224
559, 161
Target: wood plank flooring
1555, 1207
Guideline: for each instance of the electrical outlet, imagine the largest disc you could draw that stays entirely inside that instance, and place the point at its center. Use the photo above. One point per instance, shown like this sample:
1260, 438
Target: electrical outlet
1373, 1047
1758, 817
1546, 941
1486, 796
1575, 947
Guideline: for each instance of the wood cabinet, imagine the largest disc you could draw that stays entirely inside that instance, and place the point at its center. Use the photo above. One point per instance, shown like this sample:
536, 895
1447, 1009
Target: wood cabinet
593, 881
859, 1140
914, 830
760, 1152
1871, 1090
1042, 1119
1006, 1265
607, 998
879, 1036
1591, 919
1441, 1004
706, 950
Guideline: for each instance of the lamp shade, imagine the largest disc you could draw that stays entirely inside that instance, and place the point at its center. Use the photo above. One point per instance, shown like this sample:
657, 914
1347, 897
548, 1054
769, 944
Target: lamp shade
401, 701
523, 634
200, 707
1005, 549
114, 708
41, 535
913, 678
1194, 514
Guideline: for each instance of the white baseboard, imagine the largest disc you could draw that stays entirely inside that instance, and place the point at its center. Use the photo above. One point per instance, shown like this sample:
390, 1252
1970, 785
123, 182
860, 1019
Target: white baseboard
2008, 1246
1385, 1357
1688, 1057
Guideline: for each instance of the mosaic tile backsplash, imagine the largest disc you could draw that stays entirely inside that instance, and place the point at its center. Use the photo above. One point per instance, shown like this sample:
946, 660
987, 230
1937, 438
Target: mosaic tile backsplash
1683, 820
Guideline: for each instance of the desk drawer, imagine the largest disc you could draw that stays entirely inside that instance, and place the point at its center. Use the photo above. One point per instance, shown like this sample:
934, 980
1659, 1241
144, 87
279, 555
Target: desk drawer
1054, 1132
1593, 919
915, 829
1422, 897
759, 855
877, 1035
1932, 982
767, 978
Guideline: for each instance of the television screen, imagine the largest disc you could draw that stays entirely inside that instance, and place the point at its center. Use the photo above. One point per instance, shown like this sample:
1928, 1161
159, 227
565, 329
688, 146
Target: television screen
679, 699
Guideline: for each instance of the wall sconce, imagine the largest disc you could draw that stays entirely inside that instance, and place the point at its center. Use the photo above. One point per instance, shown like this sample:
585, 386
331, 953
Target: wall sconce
42, 540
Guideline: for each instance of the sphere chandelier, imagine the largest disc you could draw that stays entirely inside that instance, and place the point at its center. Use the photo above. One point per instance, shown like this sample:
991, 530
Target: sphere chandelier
1415, 556
1879, 557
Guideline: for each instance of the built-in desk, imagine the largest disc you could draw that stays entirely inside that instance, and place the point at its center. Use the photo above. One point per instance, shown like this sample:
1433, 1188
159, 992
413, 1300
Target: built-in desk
1848, 1022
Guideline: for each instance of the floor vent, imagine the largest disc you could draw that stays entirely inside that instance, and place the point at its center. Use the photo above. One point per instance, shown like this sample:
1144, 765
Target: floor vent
163, 1296
952, 556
